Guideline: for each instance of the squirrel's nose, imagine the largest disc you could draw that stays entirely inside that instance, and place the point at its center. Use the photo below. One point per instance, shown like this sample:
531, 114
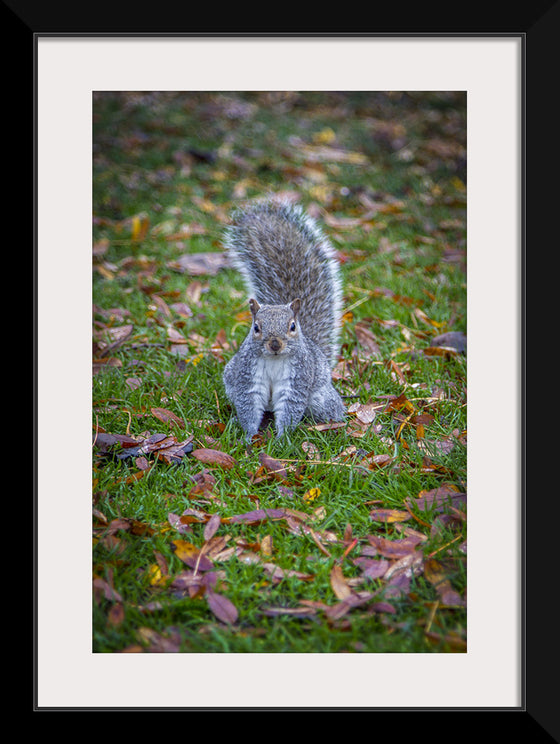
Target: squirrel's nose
274, 344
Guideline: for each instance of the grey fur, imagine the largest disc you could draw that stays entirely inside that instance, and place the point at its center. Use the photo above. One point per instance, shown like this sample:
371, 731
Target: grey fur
292, 275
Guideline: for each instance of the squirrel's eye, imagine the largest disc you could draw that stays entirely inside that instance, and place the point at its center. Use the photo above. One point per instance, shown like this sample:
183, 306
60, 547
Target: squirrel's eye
292, 326
256, 328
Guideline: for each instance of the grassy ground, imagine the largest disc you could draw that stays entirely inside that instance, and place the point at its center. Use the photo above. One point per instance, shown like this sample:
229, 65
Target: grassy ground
358, 542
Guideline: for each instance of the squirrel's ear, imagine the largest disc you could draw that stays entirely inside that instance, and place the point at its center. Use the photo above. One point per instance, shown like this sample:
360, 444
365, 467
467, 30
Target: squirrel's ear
295, 305
255, 307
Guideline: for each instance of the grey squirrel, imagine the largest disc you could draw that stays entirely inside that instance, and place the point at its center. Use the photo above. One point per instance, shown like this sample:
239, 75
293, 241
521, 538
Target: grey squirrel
293, 278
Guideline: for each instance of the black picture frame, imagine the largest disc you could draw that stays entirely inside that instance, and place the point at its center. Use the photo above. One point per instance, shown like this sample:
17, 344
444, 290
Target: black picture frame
538, 26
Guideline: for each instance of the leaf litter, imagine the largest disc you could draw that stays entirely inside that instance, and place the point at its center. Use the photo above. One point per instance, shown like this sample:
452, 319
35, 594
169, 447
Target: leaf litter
381, 568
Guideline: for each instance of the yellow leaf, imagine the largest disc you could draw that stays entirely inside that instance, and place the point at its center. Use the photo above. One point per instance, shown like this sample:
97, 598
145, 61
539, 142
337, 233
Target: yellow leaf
266, 545
389, 515
311, 495
325, 136
155, 575
185, 550
140, 224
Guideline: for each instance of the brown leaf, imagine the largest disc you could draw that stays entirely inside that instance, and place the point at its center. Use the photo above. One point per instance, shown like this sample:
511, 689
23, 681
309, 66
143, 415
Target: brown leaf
222, 607
372, 568
117, 336
161, 305
142, 463
160, 642
259, 515
274, 467
338, 583
115, 616
212, 526
366, 339
191, 555
199, 264
301, 611
192, 583
162, 414
440, 498
397, 402
409, 565
277, 574
175, 451
364, 412
389, 515
214, 457
436, 573
203, 484
182, 309
373, 462
107, 590
394, 548
396, 371
175, 336
178, 523
453, 640
334, 612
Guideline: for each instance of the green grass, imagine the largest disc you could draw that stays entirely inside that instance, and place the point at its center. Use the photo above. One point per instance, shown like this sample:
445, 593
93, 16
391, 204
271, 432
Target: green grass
183, 161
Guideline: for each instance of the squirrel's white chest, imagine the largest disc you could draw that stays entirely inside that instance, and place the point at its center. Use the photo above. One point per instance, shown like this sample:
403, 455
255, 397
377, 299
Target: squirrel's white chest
271, 379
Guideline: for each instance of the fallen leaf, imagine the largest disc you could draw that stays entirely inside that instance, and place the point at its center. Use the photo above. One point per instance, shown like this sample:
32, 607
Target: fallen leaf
394, 548
437, 574
182, 309
273, 466
409, 565
372, 568
214, 457
259, 515
292, 611
440, 498
364, 412
166, 416
335, 612
155, 575
175, 336
199, 264
338, 583
389, 515
115, 616
311, 495
140, 225
373, 462
212, 526
222, 607
450, 639
106, 590
191, 555
142, 463
169, 642
366, 338
203, 484
277, 574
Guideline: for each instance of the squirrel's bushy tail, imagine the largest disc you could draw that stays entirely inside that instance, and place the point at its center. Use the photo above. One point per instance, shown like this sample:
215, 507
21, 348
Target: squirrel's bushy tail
282, 254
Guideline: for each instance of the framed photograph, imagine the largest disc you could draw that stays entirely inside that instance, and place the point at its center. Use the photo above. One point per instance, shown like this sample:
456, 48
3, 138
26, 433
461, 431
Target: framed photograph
80, 76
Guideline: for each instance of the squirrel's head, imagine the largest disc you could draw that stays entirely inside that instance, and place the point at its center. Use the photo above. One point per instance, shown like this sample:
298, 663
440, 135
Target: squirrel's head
275, 327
